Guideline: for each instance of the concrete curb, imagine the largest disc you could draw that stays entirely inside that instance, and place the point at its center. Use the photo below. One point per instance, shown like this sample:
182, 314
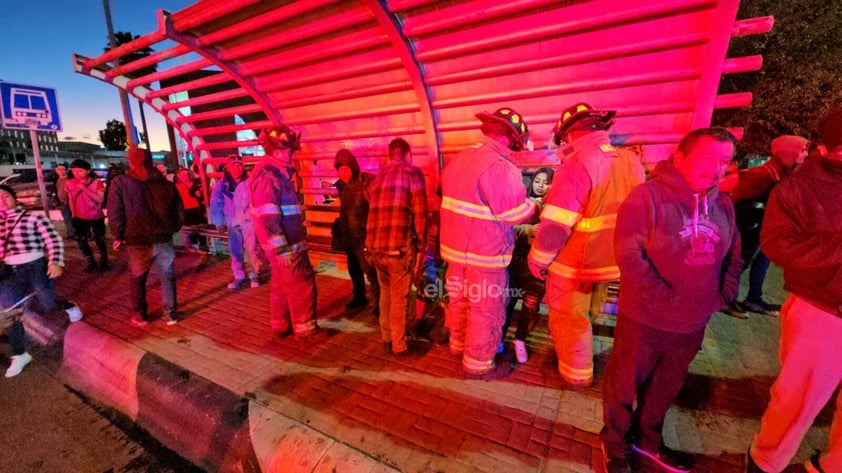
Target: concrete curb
196, 418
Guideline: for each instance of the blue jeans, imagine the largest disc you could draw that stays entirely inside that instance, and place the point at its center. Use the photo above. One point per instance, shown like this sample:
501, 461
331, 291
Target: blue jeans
23, 280
161, 256
242, 243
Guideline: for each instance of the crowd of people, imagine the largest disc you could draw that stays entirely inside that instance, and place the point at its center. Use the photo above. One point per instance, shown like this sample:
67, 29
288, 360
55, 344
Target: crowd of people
674, 241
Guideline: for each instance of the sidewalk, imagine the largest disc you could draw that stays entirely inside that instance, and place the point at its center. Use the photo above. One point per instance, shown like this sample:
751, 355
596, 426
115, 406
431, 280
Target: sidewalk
222, 392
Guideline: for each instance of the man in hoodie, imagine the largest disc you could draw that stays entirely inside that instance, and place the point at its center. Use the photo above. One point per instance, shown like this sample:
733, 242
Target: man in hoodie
144, 211
279, 227
678, 250
573, 245
749, 192
482, 201
353, 187
801, 233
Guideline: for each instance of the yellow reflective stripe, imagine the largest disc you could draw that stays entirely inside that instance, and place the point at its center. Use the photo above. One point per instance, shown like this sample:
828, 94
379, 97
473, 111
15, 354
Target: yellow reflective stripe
467, 209
266, 209
456, 346
605, 273
575, 374
476, 366
304, 327
474, 259
518, 213
606, 148
543, 258
560, 215
277, 241
596, 224
293, 209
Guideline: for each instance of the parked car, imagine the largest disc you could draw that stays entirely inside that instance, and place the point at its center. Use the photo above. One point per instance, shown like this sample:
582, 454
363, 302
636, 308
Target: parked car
25, 185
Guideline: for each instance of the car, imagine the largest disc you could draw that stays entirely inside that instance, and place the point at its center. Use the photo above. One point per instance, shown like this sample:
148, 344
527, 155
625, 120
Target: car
25, 185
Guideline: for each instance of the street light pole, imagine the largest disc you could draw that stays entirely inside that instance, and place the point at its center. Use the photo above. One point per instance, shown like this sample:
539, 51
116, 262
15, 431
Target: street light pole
124, 97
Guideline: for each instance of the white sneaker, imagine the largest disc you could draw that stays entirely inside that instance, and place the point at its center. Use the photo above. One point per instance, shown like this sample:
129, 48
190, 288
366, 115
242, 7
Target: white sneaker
520, 351
74, 313
17, 364
255, 284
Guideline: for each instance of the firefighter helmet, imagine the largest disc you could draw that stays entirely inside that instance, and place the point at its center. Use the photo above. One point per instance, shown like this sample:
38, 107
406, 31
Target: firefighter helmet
281, 137
582, 115
512, 122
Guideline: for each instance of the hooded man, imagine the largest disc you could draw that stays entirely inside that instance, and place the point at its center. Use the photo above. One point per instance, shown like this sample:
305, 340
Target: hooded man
482, 201
573, 248
678, 251
750, 191
144, 211
801, 234
279, 226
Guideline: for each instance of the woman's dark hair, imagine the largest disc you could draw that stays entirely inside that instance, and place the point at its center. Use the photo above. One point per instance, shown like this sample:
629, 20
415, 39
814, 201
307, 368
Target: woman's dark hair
548, 171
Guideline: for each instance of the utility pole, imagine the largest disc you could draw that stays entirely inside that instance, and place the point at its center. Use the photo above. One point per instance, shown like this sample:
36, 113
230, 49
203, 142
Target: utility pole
124, 97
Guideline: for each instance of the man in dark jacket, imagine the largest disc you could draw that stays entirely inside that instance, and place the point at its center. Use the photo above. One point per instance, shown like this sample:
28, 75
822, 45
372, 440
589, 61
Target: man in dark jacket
353, 187
144, 211
678, 251
801, 233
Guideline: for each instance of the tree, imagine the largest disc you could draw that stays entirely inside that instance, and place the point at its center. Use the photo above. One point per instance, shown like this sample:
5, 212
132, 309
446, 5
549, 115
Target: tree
800, 78
123, 37
114, 136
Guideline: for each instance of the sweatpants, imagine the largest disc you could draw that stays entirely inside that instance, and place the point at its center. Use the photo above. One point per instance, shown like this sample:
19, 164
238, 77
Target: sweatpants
647, 365
811, 370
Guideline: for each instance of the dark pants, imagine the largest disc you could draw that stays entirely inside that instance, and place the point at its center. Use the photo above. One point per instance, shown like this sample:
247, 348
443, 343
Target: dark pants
359, 268
25, 279
67, 217
752, 256
648, 366
82, 229
141, 260
523, 285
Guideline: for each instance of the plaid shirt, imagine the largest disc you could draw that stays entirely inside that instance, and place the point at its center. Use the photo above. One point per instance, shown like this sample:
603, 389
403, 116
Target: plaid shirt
397, 215
33, 234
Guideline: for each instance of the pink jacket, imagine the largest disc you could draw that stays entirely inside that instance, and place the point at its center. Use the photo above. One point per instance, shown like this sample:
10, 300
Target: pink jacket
85, 198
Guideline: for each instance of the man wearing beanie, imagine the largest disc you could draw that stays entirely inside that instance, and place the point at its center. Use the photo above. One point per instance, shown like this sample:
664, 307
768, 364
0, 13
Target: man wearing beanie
85, 194
749, 194
801, 233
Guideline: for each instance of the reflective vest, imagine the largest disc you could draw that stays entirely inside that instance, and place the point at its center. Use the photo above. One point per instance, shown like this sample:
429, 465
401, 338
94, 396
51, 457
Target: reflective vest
587, 190
483, 197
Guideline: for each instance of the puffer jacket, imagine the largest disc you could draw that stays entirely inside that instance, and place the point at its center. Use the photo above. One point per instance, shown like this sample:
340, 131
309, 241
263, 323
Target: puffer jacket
230, 203
276, 209
576, 236
85, 198
482, 200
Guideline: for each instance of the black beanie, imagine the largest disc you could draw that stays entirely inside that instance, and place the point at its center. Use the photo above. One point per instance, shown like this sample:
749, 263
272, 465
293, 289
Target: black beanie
80, 164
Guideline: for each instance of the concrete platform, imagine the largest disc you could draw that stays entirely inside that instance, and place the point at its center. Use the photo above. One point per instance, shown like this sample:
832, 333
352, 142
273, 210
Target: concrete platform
221, 391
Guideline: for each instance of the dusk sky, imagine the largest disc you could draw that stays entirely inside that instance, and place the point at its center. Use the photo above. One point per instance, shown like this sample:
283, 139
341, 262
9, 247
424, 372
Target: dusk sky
38, 38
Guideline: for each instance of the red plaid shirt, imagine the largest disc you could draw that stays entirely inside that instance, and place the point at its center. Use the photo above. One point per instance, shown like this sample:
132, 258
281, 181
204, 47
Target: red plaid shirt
397, 214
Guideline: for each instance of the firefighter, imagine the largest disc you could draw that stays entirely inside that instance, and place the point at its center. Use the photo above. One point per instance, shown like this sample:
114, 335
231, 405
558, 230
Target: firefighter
482, 200
279, 227
573, 248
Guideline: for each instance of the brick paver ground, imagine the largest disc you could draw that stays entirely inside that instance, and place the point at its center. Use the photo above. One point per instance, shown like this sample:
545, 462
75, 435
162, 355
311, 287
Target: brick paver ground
416, 413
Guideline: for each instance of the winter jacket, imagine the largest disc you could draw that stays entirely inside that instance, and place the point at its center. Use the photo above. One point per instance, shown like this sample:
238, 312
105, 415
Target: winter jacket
482, 200
276, 209
230, 203
144, 208
353, 196
678, 253
576, 235
802, 232
85, 198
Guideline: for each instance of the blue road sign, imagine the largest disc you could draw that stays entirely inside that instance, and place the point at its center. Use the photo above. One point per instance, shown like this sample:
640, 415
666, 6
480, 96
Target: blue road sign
27, 107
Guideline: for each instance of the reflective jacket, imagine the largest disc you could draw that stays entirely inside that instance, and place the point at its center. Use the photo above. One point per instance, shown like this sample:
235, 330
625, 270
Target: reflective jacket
276, 208
576, 236
482, 199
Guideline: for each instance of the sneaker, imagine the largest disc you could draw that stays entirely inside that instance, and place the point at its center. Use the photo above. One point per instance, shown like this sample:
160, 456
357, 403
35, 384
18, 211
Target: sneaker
236, 284
736, 309
170, 318
17, 364
139, 321
520, 351
254, 284
74, 313
666, 458
813, 465
502, 370
763, 307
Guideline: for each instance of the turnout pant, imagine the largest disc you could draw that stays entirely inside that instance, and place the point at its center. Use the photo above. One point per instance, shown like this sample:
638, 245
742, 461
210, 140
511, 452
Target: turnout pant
475, 313
569, 321
648, 366
811, 371
292, 303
